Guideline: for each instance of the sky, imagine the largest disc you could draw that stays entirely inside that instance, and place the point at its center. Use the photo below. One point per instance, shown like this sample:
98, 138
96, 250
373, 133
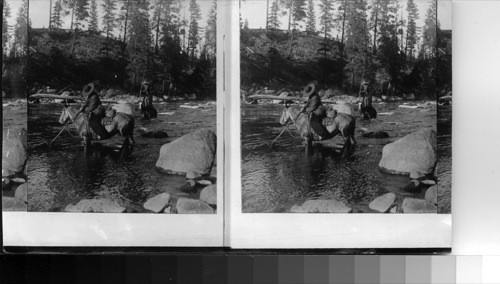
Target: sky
39, 12
255, 12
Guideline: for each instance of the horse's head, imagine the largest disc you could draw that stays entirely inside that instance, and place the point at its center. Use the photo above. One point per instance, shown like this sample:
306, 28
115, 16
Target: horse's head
285, 115
64, 115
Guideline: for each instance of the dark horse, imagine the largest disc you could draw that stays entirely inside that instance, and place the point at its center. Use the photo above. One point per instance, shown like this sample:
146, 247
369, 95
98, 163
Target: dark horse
122, 123
341, 123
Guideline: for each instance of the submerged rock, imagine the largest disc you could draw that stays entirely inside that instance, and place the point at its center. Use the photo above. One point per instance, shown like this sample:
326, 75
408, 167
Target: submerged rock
321, 206
192, 206
412, 205
383, 203
431, 194
14, 154
155, 134
13, 204
192, 152
412, 185
22, 192
100, 205
209, 194
377, 134
414, 152
158, 202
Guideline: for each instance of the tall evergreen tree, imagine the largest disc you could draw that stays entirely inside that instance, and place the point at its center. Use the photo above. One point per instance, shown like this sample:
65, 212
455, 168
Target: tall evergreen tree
20, 42
5, 26
429, 32
274, 22
211, 29
157, 19
94, 17
81, 12
311, 18
357, 42
139, 41
325, 19
411, 29
124, 17
109, 16
56, 19
195, 16
298, 13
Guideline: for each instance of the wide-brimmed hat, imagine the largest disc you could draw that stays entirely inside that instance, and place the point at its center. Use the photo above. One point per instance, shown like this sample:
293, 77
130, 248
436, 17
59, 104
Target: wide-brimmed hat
88, 89
309, 89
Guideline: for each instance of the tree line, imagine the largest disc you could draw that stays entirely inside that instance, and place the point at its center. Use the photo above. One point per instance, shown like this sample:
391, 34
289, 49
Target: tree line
374, 40
156, 40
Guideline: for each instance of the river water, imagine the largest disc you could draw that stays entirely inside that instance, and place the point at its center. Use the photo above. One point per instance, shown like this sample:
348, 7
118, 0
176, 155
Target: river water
62, 173
275, 178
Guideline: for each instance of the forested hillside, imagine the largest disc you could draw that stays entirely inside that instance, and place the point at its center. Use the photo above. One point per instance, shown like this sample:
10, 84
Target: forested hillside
120, 43
342, 42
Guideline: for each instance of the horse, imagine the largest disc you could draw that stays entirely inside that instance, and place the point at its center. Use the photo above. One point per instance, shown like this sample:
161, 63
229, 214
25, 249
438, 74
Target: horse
341, 123
122, 123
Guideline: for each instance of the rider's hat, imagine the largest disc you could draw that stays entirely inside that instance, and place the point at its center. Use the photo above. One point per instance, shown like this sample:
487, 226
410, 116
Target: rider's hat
88, 89
309, 89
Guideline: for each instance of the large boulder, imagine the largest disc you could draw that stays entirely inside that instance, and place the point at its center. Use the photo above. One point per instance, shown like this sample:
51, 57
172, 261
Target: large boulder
321, 206
209, 194
192, 206
13, 204
414, 152
157, 203
14, 154
412, 205
124, 108
192, 152
383, 203
100, 205
22, 192
431, 194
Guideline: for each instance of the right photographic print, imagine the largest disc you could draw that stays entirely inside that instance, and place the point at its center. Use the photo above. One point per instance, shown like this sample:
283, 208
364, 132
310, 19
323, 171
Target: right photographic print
346, 106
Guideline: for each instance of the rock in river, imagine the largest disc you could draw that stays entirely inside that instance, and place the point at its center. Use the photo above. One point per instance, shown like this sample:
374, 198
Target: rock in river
192, 152
13, 151
22, 192
412, 205
157, 203
209, 194
383, 203
321, 206
100, 205
414, 152
431, 194
13, 204
192, 206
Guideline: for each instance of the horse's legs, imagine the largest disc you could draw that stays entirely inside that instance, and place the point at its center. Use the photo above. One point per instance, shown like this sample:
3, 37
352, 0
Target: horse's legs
352, 137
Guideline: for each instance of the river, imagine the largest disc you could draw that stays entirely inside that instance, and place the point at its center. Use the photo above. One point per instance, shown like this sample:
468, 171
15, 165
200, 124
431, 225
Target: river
278, 177
62, 174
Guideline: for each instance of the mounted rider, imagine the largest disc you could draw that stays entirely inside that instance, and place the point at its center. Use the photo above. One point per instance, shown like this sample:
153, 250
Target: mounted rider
315, 109
94, 110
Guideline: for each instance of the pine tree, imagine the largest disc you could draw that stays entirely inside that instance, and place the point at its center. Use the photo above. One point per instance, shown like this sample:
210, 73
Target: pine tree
5, 26
20, 42
411, 29
211, 29
193, 39
274, 22
81, 12
157, 18
325, 19
298, 13
139, 41
311, 18
429, 33
123, 18
109, 17
56, 19
357, 42
94, 18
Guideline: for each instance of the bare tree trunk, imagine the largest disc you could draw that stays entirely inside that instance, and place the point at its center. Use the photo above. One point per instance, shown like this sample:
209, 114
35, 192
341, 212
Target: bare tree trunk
158, 26
126, 20
267, 15
342, 44
375, 30
50, 14
72, 15
290, 15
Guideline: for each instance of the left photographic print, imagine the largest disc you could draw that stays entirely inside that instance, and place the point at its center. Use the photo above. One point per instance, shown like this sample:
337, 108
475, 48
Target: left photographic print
14, 106
122, 106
